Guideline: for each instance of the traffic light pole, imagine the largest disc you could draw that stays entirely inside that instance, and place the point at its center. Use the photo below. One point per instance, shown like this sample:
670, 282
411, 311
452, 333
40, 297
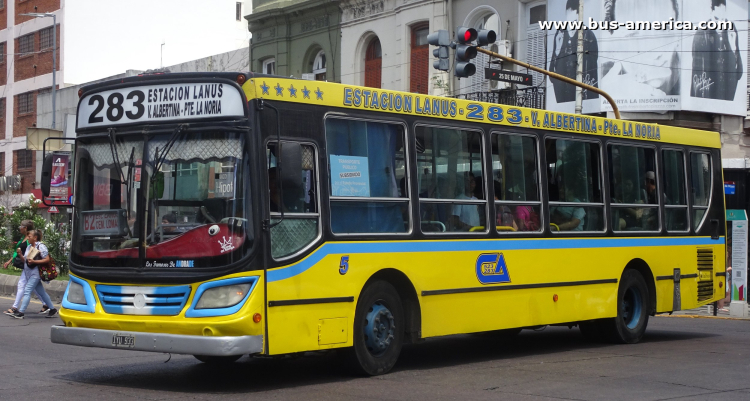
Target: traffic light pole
563, 78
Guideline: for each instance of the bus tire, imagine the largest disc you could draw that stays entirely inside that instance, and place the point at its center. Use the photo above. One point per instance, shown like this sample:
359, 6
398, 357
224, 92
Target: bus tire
217, 360
378, 329
632, 310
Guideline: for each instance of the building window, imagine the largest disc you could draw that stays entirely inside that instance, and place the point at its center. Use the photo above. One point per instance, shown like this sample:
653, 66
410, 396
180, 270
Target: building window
24, 159
45, 38
420, 59
2, 108
2, 51
269, 66
536, 54
373, 64
238, 11
2, 4
26, 103
319, 66
26, 44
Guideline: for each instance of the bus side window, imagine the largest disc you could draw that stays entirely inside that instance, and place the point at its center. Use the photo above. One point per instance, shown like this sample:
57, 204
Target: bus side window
676, 207
300, 226
367, 177
632, 182
451, 184
515, 183
700, 188
575, 189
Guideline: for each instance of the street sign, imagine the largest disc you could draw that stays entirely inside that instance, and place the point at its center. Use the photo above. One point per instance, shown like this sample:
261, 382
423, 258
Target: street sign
729, 187
507, 76
53, 209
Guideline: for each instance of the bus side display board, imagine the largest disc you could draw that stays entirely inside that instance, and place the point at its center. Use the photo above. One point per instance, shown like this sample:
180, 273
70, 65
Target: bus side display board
157, 103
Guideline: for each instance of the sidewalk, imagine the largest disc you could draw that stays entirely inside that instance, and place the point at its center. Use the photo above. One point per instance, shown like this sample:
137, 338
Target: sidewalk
703, 311
9, 283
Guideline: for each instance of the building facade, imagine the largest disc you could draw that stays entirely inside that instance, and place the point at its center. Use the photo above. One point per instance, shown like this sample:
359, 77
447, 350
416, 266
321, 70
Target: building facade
299, 38
25, 72
386, 41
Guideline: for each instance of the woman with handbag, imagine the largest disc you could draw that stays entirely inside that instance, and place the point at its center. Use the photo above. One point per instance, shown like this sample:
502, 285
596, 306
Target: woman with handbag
18, 262
36, 254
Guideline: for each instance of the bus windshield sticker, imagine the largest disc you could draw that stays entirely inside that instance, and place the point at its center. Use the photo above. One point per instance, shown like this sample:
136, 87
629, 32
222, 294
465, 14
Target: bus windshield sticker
153, 103
350, 176
492, 269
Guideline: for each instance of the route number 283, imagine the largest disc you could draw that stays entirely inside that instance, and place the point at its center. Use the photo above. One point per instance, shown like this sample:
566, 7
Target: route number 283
115, 106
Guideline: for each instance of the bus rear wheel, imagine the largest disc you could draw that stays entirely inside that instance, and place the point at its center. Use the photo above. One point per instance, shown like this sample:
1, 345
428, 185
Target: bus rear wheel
378, 329
632, 310
217, 360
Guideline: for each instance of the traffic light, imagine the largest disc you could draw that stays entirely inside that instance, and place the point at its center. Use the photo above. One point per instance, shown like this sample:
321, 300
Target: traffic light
442, 39
486, 37
465, 52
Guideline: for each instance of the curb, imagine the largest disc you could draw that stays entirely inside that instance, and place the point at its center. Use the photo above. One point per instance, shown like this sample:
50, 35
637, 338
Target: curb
55, 289
705, 317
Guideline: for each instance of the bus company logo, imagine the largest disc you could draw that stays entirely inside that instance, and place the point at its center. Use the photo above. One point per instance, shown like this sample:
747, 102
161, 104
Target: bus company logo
492, 269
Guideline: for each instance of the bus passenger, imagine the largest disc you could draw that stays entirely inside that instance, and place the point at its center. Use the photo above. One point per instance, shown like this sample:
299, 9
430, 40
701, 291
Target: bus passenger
503, 213
568, 218
466, 216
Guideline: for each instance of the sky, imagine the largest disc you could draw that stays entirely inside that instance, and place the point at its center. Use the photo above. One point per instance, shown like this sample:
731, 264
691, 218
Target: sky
108, 37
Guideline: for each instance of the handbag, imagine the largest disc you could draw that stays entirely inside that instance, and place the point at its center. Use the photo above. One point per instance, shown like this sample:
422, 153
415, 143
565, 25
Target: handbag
48, 271
18, 262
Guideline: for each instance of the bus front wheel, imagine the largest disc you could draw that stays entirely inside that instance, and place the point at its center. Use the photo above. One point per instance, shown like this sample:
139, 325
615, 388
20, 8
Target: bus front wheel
378, 329
632, 310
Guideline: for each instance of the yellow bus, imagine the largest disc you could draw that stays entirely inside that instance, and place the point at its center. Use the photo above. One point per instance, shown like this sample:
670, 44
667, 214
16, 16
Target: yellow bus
227, 214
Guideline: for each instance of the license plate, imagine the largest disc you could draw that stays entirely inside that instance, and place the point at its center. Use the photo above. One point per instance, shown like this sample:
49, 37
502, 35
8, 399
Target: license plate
123, 340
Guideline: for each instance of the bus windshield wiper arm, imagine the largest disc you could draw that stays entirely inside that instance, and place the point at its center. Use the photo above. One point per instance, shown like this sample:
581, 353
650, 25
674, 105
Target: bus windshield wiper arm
159, 158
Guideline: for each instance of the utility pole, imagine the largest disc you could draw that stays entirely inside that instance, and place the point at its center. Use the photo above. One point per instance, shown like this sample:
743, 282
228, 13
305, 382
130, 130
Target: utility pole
579, 66
161, 55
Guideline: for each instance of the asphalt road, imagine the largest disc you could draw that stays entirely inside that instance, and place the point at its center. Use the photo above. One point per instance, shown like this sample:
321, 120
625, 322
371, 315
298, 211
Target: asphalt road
680, 358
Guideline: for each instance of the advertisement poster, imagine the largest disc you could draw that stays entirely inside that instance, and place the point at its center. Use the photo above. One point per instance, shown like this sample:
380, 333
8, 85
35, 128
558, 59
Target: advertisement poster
562, 56
654, 60
59, 179
350, 176
739, 260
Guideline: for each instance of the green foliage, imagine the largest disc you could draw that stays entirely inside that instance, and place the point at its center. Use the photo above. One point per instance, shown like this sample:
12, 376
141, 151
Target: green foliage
55, 234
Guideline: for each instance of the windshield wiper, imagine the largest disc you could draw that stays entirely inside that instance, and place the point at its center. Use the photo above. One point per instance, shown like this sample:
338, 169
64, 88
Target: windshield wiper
125, 180
160, 158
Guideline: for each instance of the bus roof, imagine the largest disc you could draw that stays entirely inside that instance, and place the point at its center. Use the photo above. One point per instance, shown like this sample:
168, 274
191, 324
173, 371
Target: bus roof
405, 103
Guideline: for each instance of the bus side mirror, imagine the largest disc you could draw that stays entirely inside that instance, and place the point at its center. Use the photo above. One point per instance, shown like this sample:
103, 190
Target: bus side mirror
291, 167
47, 174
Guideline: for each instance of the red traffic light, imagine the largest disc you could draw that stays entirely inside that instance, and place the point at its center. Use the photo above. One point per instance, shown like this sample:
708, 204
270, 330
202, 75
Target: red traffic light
466, 35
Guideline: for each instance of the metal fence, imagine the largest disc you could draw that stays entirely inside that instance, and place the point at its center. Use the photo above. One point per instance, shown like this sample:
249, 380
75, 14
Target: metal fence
527, 97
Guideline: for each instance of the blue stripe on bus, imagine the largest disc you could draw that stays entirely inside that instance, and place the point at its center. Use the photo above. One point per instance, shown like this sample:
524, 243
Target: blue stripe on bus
479, 246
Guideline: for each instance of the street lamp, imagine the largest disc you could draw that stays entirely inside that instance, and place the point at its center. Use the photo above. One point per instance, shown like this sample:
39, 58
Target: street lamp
54, 57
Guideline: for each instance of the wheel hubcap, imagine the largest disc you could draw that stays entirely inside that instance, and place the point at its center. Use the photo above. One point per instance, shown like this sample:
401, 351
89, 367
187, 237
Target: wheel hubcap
379, 330
632, 304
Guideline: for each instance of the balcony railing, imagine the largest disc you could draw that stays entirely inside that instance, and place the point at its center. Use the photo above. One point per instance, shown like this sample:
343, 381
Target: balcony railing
527, 97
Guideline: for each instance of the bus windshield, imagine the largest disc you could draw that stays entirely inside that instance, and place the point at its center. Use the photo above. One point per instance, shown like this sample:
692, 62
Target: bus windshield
190, 186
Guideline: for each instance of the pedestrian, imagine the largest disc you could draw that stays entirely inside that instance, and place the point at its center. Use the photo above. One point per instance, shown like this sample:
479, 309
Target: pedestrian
25, 226
36, 254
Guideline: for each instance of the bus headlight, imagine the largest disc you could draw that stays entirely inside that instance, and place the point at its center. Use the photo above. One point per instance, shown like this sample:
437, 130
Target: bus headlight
75, 294
223, 297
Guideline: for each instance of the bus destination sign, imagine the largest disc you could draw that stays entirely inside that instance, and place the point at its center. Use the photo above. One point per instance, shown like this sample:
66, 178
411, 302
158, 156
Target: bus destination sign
157, 103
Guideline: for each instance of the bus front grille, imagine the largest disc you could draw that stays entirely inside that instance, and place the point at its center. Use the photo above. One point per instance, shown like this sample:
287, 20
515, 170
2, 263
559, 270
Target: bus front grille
133, 300
705, 274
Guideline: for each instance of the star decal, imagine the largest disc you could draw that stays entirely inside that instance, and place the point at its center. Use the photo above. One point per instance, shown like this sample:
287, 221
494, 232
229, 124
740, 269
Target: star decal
305, 93
265, 88
319, 94
279, 90
292, 91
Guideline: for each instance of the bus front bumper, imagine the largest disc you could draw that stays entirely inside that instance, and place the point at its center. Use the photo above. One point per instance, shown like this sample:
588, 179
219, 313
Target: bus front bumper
157, 342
